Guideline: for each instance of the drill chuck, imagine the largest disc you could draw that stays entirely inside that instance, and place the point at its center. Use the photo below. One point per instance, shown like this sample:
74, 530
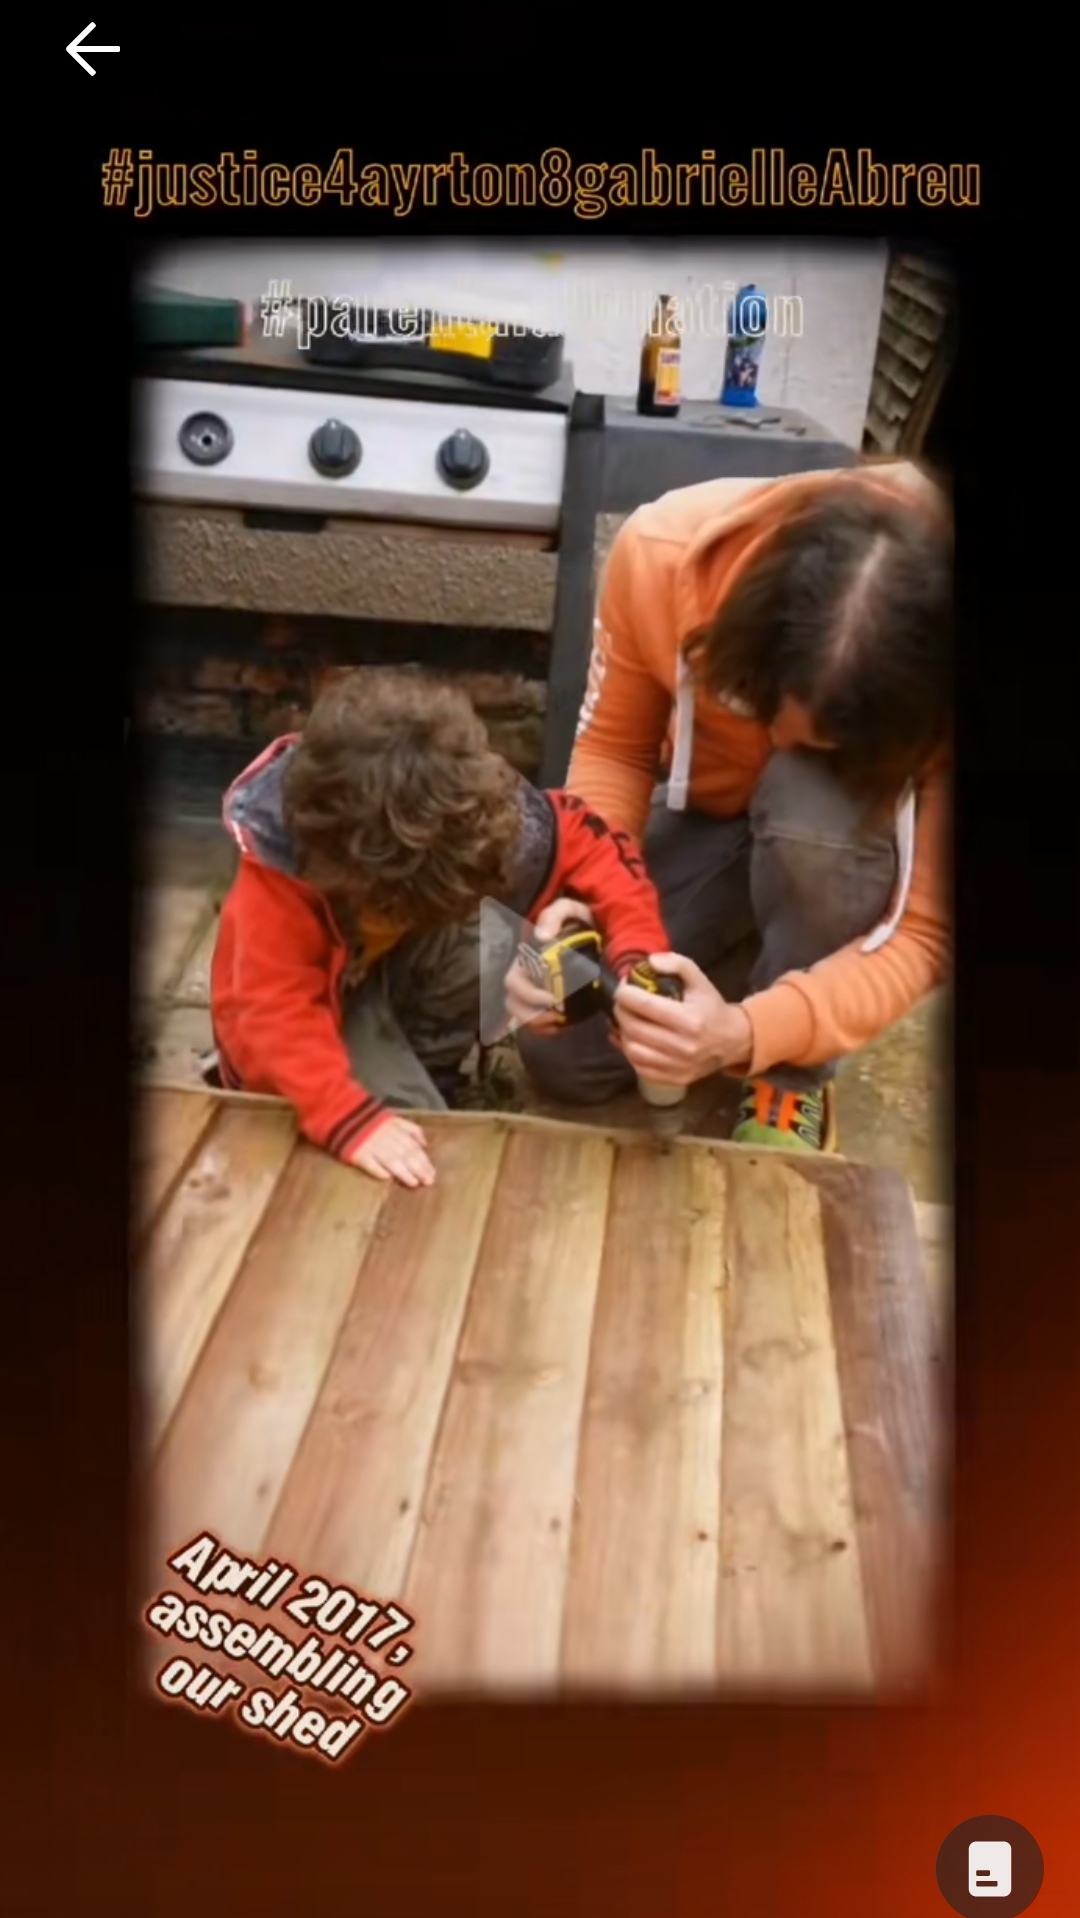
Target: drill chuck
665, 1124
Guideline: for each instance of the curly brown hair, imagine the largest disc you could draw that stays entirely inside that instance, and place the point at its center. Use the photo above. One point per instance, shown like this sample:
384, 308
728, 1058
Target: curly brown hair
396, 801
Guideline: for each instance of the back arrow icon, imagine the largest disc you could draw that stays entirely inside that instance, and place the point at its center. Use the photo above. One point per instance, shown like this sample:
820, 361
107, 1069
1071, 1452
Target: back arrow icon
73, 47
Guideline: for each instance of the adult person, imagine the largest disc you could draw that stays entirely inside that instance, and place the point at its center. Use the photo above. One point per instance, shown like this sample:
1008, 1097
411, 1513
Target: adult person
778, 655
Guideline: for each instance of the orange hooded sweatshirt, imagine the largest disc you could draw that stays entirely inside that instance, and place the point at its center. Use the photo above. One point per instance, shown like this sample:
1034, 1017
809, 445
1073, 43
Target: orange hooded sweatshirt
671, 566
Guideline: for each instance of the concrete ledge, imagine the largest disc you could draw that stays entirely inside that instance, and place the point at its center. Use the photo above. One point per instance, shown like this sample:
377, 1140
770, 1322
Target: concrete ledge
194, 557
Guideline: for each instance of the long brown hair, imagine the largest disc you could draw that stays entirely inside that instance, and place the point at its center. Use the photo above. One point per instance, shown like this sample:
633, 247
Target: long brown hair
397, 804
848, 612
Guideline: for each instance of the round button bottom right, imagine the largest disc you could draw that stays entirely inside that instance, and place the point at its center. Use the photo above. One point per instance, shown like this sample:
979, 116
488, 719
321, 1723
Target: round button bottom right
990, 1865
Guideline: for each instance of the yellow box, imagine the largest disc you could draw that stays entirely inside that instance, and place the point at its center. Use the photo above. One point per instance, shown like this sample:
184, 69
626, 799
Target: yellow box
467, 336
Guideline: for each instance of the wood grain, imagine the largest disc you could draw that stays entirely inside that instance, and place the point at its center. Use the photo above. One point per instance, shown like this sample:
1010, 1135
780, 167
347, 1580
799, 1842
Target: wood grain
599, 1419
232, 1443
171, 920
791, 1607
891, 1390
539, 1124
199, 1243
487, 1579
642, 1590
936, 1241
193, 986
167, 1131
352, 1502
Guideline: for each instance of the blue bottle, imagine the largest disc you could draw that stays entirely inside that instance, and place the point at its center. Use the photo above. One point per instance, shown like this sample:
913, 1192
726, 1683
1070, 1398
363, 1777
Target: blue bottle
747, 326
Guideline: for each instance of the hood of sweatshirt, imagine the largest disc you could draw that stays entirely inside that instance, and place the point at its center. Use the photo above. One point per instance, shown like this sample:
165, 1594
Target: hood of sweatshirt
254, 816
254, 808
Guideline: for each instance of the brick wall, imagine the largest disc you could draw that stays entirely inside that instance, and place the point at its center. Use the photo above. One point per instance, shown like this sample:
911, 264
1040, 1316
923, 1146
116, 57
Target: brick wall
242, 679
231, 680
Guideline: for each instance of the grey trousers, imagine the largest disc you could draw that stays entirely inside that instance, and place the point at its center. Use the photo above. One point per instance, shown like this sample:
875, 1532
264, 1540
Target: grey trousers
416, 1014
747, 899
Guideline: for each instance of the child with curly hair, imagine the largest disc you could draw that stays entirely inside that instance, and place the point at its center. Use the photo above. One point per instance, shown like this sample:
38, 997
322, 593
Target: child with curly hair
347, 973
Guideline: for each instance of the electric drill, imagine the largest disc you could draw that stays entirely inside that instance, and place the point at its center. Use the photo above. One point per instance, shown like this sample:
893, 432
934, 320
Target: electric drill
572, 970
664, 1101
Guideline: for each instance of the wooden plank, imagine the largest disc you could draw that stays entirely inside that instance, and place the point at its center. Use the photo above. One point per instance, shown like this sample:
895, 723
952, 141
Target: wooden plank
642, 1591
200, 1242
352, 1502
488, 1574
908, 345
175, 1043
885, 405
908, 279
935, 1227
791, 1612
198, 855
169, 923
230, 1447
193, 986
927, 268
907, 378
925, 406
891, 1392
529, 1122
915, 319
540, 1514
884, 436
167, 1128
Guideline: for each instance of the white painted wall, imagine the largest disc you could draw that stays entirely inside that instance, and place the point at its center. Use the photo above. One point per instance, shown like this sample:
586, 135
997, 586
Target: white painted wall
598, 293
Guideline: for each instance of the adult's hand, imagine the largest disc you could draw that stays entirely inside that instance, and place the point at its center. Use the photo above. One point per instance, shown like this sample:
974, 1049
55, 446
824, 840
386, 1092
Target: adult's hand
675, 1042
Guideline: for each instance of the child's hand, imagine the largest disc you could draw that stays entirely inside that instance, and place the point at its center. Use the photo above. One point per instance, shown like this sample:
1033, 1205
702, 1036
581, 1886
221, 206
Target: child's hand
561, 913
526, 1003
396, 1151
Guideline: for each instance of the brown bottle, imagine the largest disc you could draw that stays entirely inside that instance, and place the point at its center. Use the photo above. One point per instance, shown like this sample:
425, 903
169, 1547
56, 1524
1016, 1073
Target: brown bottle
660, 378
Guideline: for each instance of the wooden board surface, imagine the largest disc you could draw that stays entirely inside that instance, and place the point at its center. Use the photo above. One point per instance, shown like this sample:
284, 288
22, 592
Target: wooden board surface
595, 1417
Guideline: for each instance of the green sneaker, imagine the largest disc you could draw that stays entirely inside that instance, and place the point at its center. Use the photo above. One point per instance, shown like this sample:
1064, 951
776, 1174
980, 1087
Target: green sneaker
787, 1121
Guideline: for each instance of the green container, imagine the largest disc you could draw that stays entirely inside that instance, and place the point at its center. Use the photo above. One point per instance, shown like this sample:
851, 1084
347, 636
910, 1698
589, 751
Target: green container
165, 318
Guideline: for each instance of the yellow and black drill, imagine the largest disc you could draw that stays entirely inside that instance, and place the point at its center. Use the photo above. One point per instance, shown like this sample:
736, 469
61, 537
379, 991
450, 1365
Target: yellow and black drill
571, 969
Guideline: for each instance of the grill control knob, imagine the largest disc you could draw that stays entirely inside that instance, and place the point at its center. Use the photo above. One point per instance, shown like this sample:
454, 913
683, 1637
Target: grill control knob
205, 439
462, 461
334, 450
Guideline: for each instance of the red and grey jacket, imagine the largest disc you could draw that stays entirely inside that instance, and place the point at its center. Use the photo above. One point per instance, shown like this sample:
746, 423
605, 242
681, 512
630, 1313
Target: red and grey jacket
277, 974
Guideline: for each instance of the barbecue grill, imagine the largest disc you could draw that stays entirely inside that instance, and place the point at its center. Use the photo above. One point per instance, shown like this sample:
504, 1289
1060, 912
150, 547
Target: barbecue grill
366, 426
